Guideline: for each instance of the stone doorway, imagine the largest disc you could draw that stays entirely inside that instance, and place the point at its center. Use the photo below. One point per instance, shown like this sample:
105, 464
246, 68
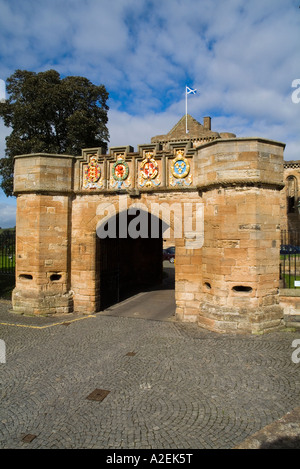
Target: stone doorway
130, 260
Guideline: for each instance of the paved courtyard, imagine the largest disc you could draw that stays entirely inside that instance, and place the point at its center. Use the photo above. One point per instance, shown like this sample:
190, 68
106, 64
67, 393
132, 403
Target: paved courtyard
171, 385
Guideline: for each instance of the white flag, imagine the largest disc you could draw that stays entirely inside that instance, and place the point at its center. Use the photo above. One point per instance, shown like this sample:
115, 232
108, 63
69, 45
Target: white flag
189, 90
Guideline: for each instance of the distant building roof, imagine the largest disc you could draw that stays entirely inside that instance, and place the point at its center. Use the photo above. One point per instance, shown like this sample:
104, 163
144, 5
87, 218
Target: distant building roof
196, 131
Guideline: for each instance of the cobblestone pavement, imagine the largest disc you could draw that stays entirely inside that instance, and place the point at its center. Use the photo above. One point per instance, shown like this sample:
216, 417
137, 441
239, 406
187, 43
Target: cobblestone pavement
171, 385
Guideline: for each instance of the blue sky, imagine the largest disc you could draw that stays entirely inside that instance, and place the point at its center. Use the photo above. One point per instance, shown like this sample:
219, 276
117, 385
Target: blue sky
241, 56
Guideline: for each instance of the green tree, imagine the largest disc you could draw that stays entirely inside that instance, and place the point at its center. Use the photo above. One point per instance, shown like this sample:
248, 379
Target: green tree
51, 114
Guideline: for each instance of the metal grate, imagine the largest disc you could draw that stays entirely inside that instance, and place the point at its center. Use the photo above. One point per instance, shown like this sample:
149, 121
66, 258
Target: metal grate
28, 438
7, 252
98, 395
290, 259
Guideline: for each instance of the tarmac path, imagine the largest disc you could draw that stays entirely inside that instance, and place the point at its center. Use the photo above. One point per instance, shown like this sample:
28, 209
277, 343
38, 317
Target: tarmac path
156, 304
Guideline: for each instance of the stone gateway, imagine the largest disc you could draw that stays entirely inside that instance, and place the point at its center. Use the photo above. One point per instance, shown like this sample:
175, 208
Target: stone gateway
227, 268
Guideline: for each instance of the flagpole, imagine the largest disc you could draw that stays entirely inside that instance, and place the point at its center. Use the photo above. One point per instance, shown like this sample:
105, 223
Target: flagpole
186, 129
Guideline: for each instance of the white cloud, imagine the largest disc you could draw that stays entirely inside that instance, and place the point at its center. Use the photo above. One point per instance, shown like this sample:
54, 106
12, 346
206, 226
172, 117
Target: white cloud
131, 130
241, 56
7, 215
4, 132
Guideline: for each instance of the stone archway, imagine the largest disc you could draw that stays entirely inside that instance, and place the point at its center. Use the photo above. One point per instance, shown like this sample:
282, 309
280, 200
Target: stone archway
128, 257
227, 229
166, 215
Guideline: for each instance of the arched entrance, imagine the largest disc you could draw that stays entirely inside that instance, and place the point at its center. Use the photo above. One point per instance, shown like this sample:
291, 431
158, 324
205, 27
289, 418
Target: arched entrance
129, 257
292, 194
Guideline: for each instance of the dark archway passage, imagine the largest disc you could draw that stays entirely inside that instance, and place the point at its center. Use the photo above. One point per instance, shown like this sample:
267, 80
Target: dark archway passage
130, 263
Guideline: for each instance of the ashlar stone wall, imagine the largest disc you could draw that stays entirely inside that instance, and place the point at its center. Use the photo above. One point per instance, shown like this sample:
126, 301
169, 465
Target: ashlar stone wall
227, 267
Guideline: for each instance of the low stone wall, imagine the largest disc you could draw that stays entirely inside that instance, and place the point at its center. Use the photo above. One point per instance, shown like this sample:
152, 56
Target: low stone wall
290, 302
